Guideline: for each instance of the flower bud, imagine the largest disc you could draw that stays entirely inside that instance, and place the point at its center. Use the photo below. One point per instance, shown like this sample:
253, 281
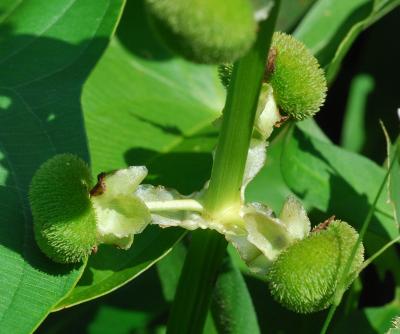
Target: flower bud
305, 276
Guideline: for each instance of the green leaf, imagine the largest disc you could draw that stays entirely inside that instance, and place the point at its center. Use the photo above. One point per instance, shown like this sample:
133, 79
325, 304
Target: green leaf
231, 305
370, 320
336, 182
47, 49
290, 13
394, 182
156, 111
132, 308
111, 268
169, 270
331, 27
354, 132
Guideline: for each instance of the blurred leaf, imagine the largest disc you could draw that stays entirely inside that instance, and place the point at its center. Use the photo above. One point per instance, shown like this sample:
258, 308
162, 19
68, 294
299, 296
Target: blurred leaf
117, 321
331, 27
353, 131
274, 318
393, 186
394, 181
111, 268
169, 270
231, 306
156, 111
328, 22
132, 308
370, 320
291, 12
336, 181
47, 49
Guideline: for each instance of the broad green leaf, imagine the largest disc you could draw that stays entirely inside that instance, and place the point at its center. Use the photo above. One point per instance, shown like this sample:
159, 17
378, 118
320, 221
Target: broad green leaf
47, 49
336, 182
142, 106
331, 27
111, 268
132, 308
231, 305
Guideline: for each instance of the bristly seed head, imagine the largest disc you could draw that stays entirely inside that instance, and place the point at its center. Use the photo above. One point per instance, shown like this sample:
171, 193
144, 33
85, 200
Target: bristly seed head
63, 216
298, 82
305, 276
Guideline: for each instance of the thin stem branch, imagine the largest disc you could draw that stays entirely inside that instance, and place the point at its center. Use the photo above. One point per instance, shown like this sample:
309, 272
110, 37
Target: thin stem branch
329, 318
342, 280
378, 253
207, 249
174, 205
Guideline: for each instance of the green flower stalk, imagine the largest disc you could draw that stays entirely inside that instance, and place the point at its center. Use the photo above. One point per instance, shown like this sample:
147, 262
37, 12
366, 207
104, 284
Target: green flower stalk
305, 276
205, 31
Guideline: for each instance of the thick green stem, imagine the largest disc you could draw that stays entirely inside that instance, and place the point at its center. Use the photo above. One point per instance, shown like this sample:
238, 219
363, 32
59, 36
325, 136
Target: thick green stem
207, 249
237, 126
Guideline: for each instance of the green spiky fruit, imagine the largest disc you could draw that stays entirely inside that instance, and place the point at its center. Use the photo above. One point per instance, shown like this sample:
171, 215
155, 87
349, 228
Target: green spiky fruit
305, 276
298, 82
63, 216
204, 31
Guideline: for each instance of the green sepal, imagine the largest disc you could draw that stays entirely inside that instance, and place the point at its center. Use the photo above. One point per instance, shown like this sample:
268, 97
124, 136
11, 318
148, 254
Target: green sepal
120, 213
63, 216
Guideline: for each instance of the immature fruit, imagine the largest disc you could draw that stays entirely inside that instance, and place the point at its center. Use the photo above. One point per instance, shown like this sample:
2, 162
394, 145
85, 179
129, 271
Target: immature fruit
205, 31
298, 82
63, 216
305, 276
